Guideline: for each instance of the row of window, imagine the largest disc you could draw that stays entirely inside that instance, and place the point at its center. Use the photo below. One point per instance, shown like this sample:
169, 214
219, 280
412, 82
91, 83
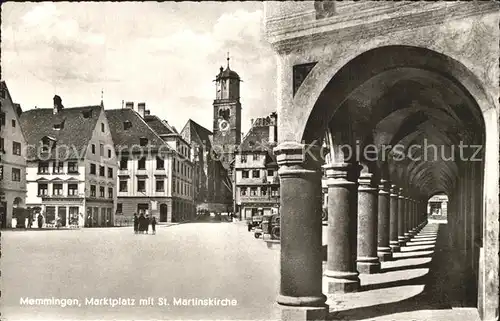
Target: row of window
102, 170
141, 185
255, 191
177, 186
181, 187
184, 150
254, 156
255, 173
141, 163
57, 168
101, 147
16, 174
57, 190
182, 168
16, 147
177, 166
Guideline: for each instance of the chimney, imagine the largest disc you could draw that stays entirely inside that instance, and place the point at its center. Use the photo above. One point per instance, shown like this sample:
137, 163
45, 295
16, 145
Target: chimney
58, 106
273, 128
129, 104
141, 109
147, 112
251, 122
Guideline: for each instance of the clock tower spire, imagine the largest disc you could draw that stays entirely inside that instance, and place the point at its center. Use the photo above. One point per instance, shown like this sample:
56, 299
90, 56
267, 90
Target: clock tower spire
227, 114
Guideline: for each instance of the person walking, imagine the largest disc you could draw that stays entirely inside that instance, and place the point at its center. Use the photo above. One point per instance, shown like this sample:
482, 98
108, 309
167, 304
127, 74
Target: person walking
142, 222
40, 220
153, 225
136, 223
147, 222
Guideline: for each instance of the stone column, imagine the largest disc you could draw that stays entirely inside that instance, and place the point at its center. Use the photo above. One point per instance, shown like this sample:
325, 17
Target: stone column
301, 245
394, 222
413, 225
368, 262
383, 248
407, 212
402, 237
341, 274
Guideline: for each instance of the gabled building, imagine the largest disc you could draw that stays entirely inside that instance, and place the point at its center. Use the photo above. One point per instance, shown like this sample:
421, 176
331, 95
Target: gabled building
256, 170
155, 175
12, 159
212, 183
72, 166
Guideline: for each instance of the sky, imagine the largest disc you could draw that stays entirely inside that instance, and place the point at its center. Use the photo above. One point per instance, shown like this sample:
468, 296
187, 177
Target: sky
164, 54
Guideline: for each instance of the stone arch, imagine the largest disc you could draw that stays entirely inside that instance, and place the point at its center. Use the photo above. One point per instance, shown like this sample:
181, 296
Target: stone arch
329, 88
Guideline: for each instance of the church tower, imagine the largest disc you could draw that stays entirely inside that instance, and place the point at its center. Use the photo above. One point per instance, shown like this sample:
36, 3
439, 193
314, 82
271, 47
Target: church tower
227, 114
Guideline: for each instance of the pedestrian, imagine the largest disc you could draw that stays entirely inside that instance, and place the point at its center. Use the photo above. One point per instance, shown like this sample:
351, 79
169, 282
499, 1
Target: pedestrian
153, 225
40, 220
30, 219
136, 223
142, 222
147, 221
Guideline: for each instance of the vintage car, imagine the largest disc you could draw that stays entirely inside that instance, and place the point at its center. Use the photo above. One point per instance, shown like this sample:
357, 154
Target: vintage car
254, 222
270, 226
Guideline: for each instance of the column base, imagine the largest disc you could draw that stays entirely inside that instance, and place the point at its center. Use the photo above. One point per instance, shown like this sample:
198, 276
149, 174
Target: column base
395, 247
368, 265
402, 240
292, 313
384, 254
340, 282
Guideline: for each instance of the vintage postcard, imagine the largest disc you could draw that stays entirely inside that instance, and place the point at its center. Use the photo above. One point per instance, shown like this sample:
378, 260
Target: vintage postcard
291, 160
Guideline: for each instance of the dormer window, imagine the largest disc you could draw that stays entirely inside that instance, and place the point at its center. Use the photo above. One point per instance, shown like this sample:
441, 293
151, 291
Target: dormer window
59, 126
47, 143
87, 113
143, 141
127, 124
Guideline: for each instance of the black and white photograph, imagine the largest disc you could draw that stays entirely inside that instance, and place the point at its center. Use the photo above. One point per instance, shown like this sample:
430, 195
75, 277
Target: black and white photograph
250, 160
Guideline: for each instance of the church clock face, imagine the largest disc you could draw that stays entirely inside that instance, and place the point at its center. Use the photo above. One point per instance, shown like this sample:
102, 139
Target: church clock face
223, 125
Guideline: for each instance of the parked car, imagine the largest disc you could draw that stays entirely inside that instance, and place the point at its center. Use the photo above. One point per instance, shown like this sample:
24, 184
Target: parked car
253, 222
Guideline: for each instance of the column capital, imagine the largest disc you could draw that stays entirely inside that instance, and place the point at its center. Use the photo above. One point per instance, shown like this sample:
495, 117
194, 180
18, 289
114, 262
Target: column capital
401, 193
296, 159
366, 183
394, 191
341, 173
384, 187
293, 153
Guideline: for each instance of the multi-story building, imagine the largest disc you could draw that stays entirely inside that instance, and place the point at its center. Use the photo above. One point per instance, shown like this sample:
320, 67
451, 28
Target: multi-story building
256, 170
155, 174
71, 173
212, 183
12, 159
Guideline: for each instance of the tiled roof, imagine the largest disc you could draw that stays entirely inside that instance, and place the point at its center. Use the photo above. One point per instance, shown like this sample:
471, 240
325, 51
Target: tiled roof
158, 125
125, 138
193, 131
257, 139
75, 134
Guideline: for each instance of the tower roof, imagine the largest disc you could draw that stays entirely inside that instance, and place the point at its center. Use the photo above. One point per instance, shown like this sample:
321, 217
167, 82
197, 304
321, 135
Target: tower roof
227, 73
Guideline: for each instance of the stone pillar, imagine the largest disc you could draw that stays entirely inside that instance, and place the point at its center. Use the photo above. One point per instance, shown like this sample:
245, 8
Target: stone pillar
301, 246
394, 222
368, 262
413, 225
383, 248
341, 274
402, 237
407, 214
